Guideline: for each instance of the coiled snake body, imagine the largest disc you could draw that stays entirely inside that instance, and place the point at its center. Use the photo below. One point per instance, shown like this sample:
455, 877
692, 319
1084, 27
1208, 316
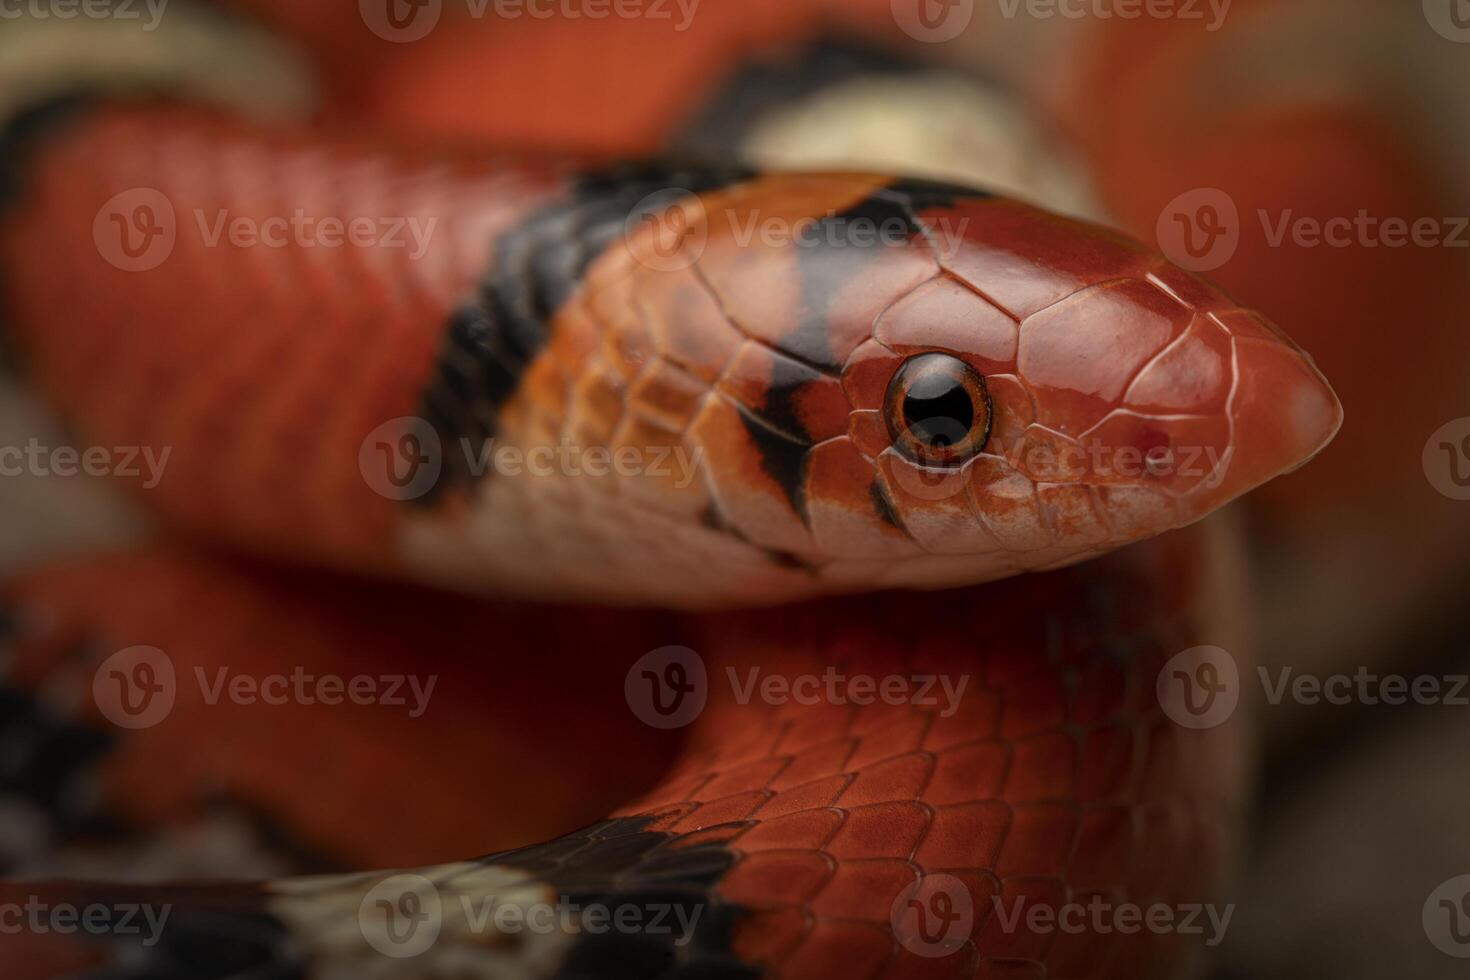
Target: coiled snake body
863, 382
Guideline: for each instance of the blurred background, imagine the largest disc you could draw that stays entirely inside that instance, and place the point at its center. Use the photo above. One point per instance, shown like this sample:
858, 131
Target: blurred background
1313, 156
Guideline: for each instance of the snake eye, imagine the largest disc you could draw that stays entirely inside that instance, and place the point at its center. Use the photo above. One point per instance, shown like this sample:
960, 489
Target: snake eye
938, 410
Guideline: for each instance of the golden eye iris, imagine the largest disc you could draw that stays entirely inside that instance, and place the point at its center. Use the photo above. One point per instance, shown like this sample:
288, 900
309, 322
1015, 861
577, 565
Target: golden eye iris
938, 410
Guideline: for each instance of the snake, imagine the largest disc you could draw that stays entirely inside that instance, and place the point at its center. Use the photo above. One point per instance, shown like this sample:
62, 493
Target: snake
911, 471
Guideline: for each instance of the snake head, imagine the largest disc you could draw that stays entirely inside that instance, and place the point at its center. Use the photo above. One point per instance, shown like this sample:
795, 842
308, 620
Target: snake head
991, 388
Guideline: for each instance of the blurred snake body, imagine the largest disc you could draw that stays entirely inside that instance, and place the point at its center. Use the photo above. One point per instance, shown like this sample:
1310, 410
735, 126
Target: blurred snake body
907, 390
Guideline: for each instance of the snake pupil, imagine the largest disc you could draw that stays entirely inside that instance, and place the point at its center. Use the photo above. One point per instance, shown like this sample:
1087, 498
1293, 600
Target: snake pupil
938, 410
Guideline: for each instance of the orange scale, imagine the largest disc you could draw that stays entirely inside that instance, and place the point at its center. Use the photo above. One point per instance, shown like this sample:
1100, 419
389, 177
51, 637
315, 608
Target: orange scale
1012, 409
1005, 501
944, 315
720, 811
812, 405
1047, 456
1250, 324
841, 484
813, 764
868, 431
748, 497
776, 878
906, 735
666, 394
1107, 842
933, 506
1136, 511
1185, 287
866, 374
803, 830
895, 779
820, 793
1043, 768
864, 889
1025, 259
814, 728
756, 775
967, 774
1040, 841
965, 836
888, 830
1193, 376
1173, 455
841, 949
686, 323
1106, 768
880, 714
1071, 512
1079, 355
